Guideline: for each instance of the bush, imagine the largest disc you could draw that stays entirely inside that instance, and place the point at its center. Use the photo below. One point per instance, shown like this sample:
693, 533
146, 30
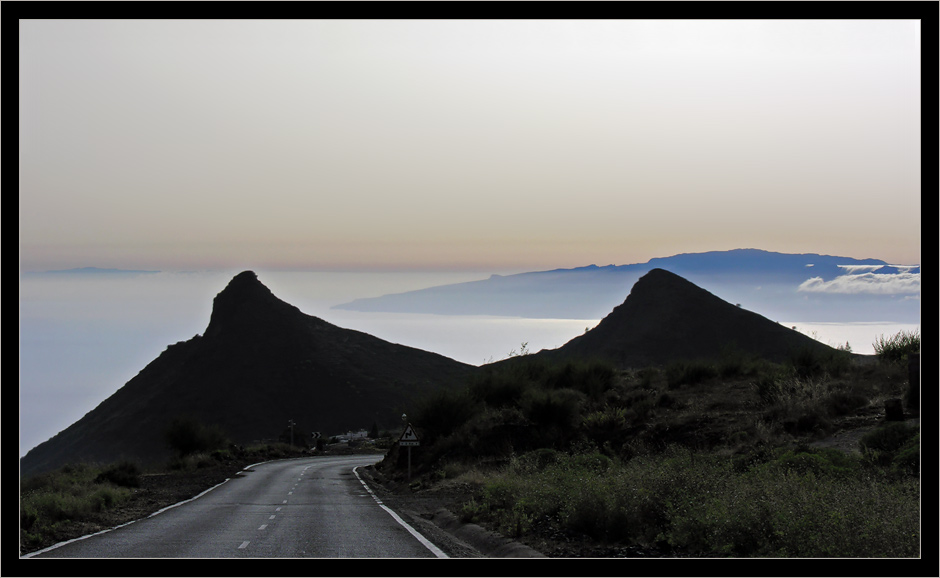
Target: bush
443, 413
590, 378
681, 373
123, 473
552, 409
498, 389
819, 462
809, 362
889, 438
781, 388
799, 504
843, 403
187, 436
537, 460
74, 493
894, 447
897, 348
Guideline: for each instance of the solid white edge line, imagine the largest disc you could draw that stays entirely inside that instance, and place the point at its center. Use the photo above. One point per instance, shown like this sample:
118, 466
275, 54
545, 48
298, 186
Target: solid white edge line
60, 544
424, 541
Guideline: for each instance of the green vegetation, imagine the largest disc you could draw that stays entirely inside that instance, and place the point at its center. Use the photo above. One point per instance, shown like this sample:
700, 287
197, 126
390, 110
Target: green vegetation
899, 347
75, 492
81, 498
794, 504
699, 457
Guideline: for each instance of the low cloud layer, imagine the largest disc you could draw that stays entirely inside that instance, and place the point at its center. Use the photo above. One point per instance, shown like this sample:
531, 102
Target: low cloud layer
870, 283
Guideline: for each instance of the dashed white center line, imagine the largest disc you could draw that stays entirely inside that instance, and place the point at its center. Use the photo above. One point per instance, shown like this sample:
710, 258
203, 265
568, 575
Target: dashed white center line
263, 526
278, 509
244, 544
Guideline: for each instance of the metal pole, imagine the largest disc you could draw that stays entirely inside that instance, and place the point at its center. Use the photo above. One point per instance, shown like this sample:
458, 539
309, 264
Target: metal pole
409, 463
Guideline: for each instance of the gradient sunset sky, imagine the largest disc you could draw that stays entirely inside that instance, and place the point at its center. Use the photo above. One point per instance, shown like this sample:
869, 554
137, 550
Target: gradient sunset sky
483, 144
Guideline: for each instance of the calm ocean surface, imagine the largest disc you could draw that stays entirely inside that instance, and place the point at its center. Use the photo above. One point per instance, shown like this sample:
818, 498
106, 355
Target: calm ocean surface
82, 337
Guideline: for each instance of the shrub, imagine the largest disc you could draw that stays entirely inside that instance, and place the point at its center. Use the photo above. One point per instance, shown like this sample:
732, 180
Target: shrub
590, 378
498, 389
552, 409
808, 503
681, 373
889, 438
781, 388
907, 460
809, 362
610, 419
73, 493
820, 462
123, 473
187, 436
843, 403
667, 401
593, 462
536, 460
897, 348
442, 413
894, 447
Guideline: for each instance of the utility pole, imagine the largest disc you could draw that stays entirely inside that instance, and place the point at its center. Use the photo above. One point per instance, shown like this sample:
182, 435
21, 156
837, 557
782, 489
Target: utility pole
290, 423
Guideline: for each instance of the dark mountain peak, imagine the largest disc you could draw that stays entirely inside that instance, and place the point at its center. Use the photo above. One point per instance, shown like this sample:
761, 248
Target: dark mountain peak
661, 296
667, 318
654, 285
247, 303
260, 362
657, 280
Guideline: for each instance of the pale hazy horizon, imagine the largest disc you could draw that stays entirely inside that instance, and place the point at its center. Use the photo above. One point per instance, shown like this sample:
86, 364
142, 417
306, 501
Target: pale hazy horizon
489, 145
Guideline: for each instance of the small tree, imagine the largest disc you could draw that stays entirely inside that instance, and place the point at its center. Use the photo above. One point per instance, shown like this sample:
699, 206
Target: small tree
374, 432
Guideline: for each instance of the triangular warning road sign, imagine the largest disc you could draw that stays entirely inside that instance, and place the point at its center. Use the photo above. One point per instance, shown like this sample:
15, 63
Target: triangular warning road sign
409, 435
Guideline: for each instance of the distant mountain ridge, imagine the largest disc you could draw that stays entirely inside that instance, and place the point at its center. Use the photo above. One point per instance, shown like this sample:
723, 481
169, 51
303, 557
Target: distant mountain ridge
764, 280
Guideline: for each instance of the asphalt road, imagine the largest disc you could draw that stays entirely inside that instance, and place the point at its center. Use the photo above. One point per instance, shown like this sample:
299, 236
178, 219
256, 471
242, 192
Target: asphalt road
315, 507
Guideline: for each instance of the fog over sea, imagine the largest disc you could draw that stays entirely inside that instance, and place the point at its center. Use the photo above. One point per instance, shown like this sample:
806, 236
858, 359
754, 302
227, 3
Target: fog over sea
83, 336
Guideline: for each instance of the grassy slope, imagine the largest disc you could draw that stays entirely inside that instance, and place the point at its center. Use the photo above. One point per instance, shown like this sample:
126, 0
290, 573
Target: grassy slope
693, 459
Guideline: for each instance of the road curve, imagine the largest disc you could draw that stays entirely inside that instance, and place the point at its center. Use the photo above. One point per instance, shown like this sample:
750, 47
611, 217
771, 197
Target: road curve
309, 507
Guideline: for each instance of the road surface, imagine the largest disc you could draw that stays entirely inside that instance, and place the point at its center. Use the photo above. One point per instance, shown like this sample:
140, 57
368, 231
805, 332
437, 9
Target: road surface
315, 507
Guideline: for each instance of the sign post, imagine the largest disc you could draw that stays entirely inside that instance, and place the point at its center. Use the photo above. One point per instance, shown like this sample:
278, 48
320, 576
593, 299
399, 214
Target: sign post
409, 439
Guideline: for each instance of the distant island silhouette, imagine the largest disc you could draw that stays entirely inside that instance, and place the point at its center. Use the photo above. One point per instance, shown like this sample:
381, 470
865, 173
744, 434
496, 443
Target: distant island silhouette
758, 279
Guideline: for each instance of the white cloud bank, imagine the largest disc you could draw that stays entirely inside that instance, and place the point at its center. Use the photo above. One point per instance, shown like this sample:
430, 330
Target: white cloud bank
871, 283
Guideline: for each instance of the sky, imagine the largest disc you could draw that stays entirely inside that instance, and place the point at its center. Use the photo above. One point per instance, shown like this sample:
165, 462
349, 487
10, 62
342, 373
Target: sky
500, 145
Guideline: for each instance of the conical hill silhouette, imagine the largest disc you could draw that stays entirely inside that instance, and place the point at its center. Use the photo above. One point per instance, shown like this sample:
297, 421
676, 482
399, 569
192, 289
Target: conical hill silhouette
666, 318
260, 363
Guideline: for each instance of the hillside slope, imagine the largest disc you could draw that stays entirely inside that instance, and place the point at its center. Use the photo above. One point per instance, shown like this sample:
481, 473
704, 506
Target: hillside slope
260, 363
666, 318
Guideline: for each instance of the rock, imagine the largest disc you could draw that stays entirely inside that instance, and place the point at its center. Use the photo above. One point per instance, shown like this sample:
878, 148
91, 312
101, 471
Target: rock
893, 410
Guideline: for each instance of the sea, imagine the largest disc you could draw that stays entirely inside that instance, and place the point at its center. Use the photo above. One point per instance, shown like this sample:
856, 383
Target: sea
84, 335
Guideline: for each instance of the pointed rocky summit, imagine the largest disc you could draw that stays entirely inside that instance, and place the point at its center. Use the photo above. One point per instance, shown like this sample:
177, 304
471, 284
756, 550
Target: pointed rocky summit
666, 318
